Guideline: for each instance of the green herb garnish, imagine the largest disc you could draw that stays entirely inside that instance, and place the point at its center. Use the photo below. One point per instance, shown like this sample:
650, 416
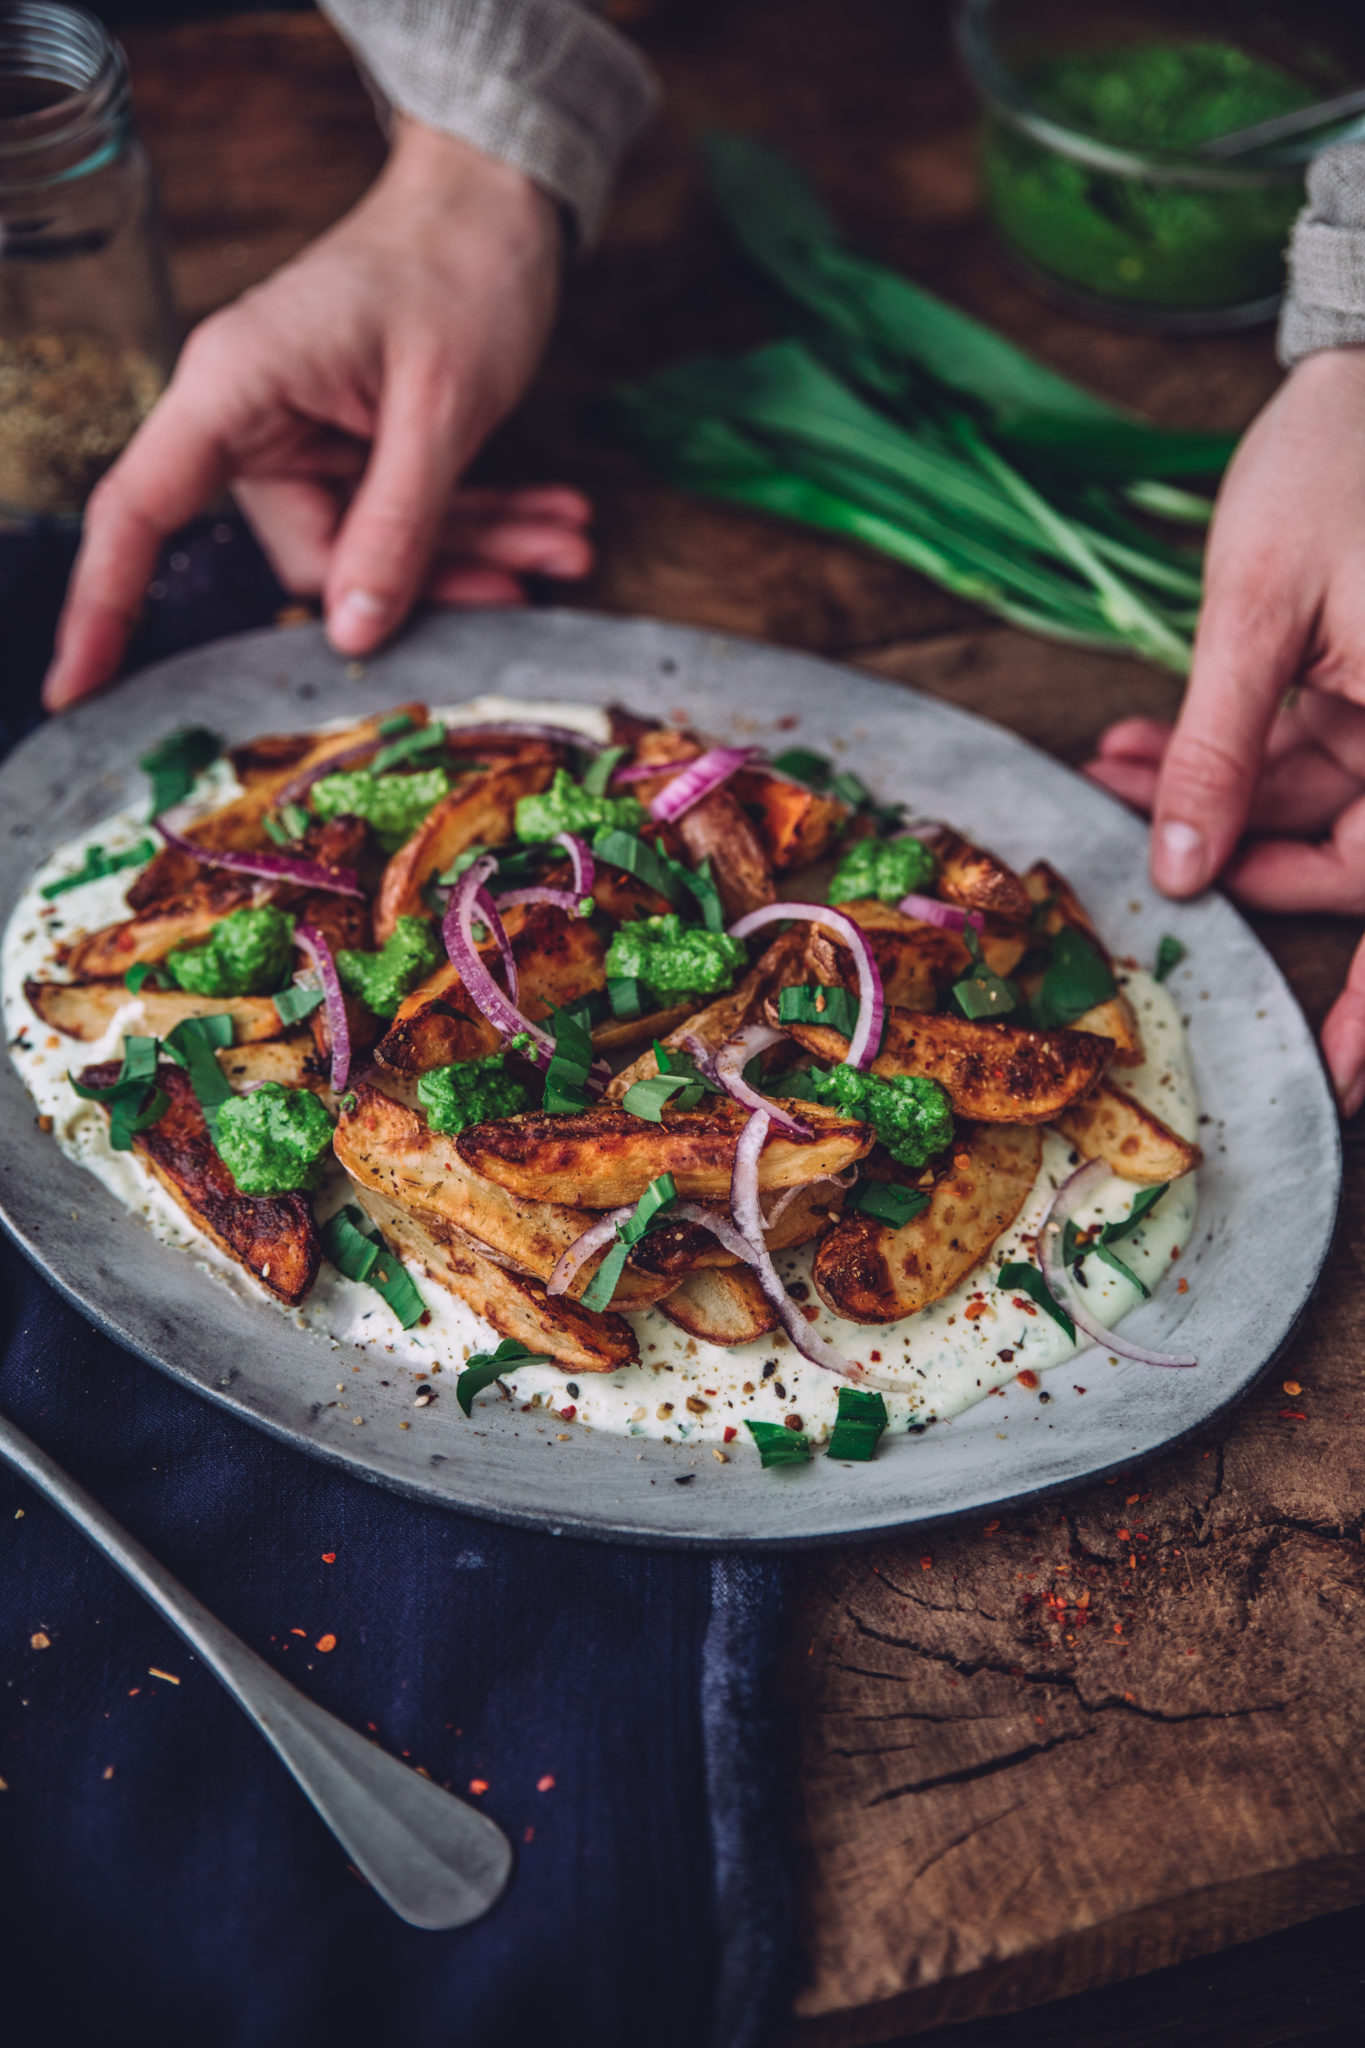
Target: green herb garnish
133, 1100
859, 1425
1169, 955
427, 739
814, 1003
483, 1367
887, 1201
1025, 1279
296, 1002
625, 850
597, 775
1078, 978
566, 1077
140, 973
628, 996
361, 1254
657, 1198
174, 763
678, 1077
1143, 1204
193, 1045
97, 865
778, 1445
398, 721
983, 993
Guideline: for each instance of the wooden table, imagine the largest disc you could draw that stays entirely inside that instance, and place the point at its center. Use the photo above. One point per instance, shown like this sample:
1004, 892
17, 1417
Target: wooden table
1060, 1748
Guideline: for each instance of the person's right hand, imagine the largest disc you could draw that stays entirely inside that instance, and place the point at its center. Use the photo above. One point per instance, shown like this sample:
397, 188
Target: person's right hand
340, 402
1284, 606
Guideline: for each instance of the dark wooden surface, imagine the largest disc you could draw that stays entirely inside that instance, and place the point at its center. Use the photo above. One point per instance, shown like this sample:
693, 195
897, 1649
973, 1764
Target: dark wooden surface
1011, 1793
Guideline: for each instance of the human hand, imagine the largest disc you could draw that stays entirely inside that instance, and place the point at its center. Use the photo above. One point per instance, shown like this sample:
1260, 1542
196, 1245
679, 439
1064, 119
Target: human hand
340, 401
1284, 605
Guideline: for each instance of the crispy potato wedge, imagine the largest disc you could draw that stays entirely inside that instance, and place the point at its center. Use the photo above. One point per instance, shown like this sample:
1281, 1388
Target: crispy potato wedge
619, 1034
390, 1149
992, 1073
293, 1062
559, 958
978, 880
918, 962
796, 825
516, 1304
721, 1305
274, 1237
783, 962
86, 1010
871, 1272
480, 809
606, 1156
717, 829
1111, 1125
1113, 1019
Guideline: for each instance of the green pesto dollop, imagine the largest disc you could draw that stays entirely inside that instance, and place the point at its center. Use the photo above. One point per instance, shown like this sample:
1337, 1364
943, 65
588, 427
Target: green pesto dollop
393, 806
473, 1092
886, 869
1168, 244
910, 1114
382, 979
246, 954
272, 1141
673, 959
565, 807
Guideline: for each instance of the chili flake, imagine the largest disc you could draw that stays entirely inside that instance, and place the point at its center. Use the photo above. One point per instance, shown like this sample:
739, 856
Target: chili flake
478, 1786
325, 1643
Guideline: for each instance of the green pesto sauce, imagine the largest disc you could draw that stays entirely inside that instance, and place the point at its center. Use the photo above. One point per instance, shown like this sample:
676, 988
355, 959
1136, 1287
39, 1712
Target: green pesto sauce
673, 959
273, 1140
910, 1114
473, 1092
886, 869
382, 979
246, 954
1157, 244
393, 806
565, 807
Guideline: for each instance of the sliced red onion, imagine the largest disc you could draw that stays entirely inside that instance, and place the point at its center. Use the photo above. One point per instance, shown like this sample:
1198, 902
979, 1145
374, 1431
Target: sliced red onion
314, 946
569, 1262
748, 1214
922, 828
691, 781
1070, 1196
558, 899
867, 1034
468, 897
789, 1195
524, 729
730, 1062
488, 916
584, 866
946, 916
274, 867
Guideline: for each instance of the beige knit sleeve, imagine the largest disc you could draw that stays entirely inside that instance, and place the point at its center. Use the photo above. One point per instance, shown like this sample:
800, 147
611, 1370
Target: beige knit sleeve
1325, 305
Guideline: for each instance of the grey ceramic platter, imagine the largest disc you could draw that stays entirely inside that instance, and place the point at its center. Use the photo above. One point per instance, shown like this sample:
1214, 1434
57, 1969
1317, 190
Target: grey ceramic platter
1268, 1193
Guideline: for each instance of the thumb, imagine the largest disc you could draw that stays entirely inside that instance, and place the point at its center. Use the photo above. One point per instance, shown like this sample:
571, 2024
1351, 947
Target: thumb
384, 547
1248, 650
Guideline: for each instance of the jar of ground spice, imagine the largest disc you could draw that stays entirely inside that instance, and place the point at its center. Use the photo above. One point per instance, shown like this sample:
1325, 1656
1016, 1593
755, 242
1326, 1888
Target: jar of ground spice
86, 331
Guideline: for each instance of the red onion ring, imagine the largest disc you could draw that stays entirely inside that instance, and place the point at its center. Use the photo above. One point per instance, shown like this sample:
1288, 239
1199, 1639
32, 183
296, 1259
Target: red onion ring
468, 897
569, 1262
274, 867
691, 781
524, 729
318, 953
488, 915
789, 1195
730, 1062
559, 899
1069, 1197
575, 901
946, 916
297, 788
584, 866
867, 1033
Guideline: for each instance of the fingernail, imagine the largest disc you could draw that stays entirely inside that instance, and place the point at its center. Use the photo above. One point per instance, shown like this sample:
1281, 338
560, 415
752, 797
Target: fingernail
356, 615
1181, 858
1352, 1096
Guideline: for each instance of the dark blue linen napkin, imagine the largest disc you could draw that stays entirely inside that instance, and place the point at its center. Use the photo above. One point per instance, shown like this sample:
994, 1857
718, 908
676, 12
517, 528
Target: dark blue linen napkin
160, 1875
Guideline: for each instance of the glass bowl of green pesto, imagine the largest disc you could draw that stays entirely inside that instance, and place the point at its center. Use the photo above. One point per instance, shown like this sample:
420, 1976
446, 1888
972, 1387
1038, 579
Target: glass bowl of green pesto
1091, 151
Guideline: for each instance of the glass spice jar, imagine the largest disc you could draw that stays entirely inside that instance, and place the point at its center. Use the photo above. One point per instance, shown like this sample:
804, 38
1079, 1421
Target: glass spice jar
86, 328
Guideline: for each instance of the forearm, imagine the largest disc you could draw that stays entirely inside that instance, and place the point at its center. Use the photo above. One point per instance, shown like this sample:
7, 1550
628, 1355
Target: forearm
542, 85
1325, 306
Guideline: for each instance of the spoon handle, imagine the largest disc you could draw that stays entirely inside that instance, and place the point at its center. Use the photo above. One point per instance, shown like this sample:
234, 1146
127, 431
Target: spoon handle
436, 1861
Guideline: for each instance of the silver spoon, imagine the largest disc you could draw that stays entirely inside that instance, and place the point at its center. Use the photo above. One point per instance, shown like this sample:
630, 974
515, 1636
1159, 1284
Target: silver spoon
1283, 127
435, 1860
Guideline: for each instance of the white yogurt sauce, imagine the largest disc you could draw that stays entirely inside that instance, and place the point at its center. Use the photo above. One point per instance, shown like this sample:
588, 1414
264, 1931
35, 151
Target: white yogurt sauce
683, 1390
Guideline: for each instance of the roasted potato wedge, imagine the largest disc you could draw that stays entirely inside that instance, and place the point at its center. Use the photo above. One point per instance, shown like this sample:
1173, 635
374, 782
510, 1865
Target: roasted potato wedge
1113, 1019
619, 1034
976, 879
1112, 1125
86, 1010
871, 1272
516, 1304
480, 809
721, 1305
559, 958
274, 1237
717, 829
293, 1062
992, 1073
389, 1149
606, 1156
796, 825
